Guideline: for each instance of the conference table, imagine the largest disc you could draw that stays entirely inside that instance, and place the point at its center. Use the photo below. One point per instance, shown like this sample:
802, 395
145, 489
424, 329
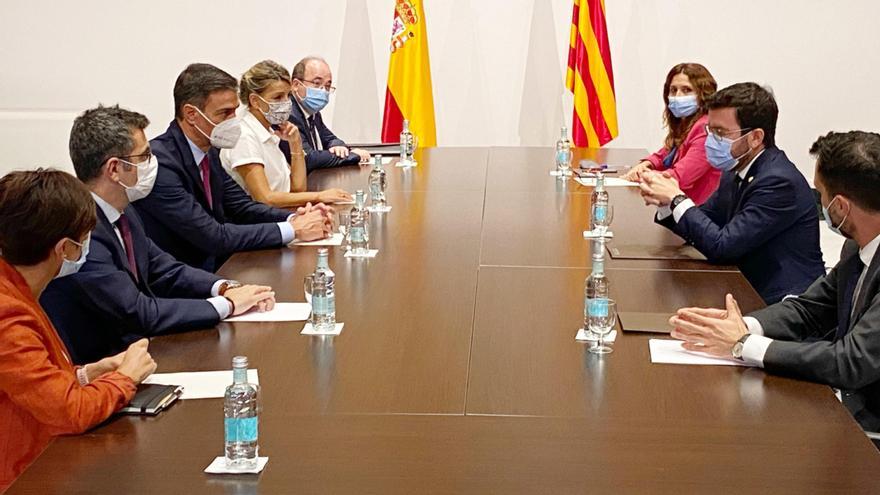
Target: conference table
457, 370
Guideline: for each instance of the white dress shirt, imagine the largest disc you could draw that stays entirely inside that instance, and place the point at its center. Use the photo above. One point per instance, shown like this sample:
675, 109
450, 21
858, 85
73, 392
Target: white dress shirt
257, 145
756, 345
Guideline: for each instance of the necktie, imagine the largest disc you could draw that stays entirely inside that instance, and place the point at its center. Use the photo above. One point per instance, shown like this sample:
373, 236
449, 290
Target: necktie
125, 231
205, 167
312, 136
852, 275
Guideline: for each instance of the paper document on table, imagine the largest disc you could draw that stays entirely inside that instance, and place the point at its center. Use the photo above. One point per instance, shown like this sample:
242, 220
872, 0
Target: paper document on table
281, 312
333, 240
671, 352
201, 384
609, 182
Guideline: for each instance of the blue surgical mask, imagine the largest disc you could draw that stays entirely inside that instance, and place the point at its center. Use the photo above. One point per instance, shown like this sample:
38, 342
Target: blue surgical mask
830, 222
683, 106
718, 152
316, 99
70, 267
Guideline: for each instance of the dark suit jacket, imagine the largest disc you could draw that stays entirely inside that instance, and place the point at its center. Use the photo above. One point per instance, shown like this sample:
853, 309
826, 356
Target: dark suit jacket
178, 219
768, 227
316, 158
816, 340
102, 309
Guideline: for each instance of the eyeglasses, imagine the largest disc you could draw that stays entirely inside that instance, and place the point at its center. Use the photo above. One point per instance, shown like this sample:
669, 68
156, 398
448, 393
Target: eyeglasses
147, 157
318, 84
720, 134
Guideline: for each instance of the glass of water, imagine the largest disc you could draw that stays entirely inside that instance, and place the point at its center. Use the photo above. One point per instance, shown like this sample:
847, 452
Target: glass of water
601, 317
603, 214
343, 222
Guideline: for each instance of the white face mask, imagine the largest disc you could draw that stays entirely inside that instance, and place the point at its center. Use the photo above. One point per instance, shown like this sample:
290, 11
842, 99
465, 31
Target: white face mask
146, 177
70, 267
225, 134
278, 112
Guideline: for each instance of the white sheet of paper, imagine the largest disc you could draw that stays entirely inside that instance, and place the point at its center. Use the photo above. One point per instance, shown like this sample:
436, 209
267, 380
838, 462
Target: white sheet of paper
609, 182
308, 329
333, 240
671, 352
201, 384
350, 202
583, 336
219, 467
281, 312
369, 254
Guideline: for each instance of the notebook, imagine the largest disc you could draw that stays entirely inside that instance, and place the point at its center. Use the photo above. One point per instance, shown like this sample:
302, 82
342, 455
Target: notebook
646, 252
644, 322
152, 398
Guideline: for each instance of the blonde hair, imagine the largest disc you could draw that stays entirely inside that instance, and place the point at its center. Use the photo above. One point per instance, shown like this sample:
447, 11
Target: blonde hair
259, 77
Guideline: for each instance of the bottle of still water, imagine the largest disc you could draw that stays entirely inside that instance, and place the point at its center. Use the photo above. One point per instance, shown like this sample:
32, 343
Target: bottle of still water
407, 145
323, 294
359, 239
599, 198
563, 154
241, 407
378, 182
597, 284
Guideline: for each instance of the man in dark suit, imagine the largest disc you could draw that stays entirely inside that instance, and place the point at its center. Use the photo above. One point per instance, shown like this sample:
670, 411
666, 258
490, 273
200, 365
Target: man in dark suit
831, 333
312, 85
196, 212
763, 216
129, 288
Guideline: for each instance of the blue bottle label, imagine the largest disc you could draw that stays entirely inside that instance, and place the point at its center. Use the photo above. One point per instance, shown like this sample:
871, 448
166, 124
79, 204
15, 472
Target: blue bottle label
241, 429
357, 234
598, 307
599, 213
319, 304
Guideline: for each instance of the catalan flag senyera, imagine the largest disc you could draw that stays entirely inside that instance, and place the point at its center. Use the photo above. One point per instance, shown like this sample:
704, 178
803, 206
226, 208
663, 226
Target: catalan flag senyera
590, 77
409, 94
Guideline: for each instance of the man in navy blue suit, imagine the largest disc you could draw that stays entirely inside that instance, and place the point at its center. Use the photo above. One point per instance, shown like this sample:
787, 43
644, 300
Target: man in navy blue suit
129, 288
196, 211
312, 85
763, 217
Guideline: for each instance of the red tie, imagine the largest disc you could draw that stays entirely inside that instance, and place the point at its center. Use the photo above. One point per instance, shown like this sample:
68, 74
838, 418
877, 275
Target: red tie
205, 167
125, 231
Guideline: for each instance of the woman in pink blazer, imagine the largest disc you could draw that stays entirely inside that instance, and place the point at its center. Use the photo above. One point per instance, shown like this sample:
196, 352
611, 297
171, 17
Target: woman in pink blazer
683, 154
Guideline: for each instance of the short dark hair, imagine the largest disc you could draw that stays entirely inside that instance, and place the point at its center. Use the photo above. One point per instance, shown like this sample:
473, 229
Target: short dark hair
197, 82
99, 134
299, 70
849, 164
38, 208
754, 105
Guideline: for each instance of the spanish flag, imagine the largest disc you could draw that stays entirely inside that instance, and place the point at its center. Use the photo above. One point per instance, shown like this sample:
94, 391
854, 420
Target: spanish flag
589, 76
409, 94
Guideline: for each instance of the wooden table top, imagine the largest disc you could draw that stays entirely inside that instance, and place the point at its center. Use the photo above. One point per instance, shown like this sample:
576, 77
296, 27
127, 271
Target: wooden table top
458, 372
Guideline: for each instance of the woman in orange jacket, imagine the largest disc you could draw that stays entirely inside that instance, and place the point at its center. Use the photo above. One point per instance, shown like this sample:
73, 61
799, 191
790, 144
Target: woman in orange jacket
45, 220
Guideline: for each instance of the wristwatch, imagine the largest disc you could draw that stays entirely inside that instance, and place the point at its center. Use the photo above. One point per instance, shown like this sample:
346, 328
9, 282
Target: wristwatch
228, 284
677, 200
737, 350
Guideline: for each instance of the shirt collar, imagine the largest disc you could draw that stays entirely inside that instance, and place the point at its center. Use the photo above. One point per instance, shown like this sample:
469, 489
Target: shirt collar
262, 133
197, 153
866, 254
745, 171
109, 210
305, 111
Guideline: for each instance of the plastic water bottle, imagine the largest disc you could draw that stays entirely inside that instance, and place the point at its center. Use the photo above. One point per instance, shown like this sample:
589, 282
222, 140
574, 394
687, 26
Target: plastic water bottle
407, 145
597, 284
378, 183
563, 154
323, 294
599, 198
241, 407
359, 239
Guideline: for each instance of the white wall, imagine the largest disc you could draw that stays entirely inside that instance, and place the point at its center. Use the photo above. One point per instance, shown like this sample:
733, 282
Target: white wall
498, 65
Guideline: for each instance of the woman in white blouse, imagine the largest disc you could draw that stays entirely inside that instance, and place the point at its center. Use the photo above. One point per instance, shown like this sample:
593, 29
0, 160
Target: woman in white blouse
256, 162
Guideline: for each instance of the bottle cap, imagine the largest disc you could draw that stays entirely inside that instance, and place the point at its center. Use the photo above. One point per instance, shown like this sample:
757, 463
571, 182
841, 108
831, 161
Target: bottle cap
240, 362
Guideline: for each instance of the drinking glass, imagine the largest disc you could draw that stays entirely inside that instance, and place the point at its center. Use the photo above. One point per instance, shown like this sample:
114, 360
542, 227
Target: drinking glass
601, 318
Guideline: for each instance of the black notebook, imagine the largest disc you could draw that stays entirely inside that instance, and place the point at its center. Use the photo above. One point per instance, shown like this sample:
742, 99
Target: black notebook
152, 398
